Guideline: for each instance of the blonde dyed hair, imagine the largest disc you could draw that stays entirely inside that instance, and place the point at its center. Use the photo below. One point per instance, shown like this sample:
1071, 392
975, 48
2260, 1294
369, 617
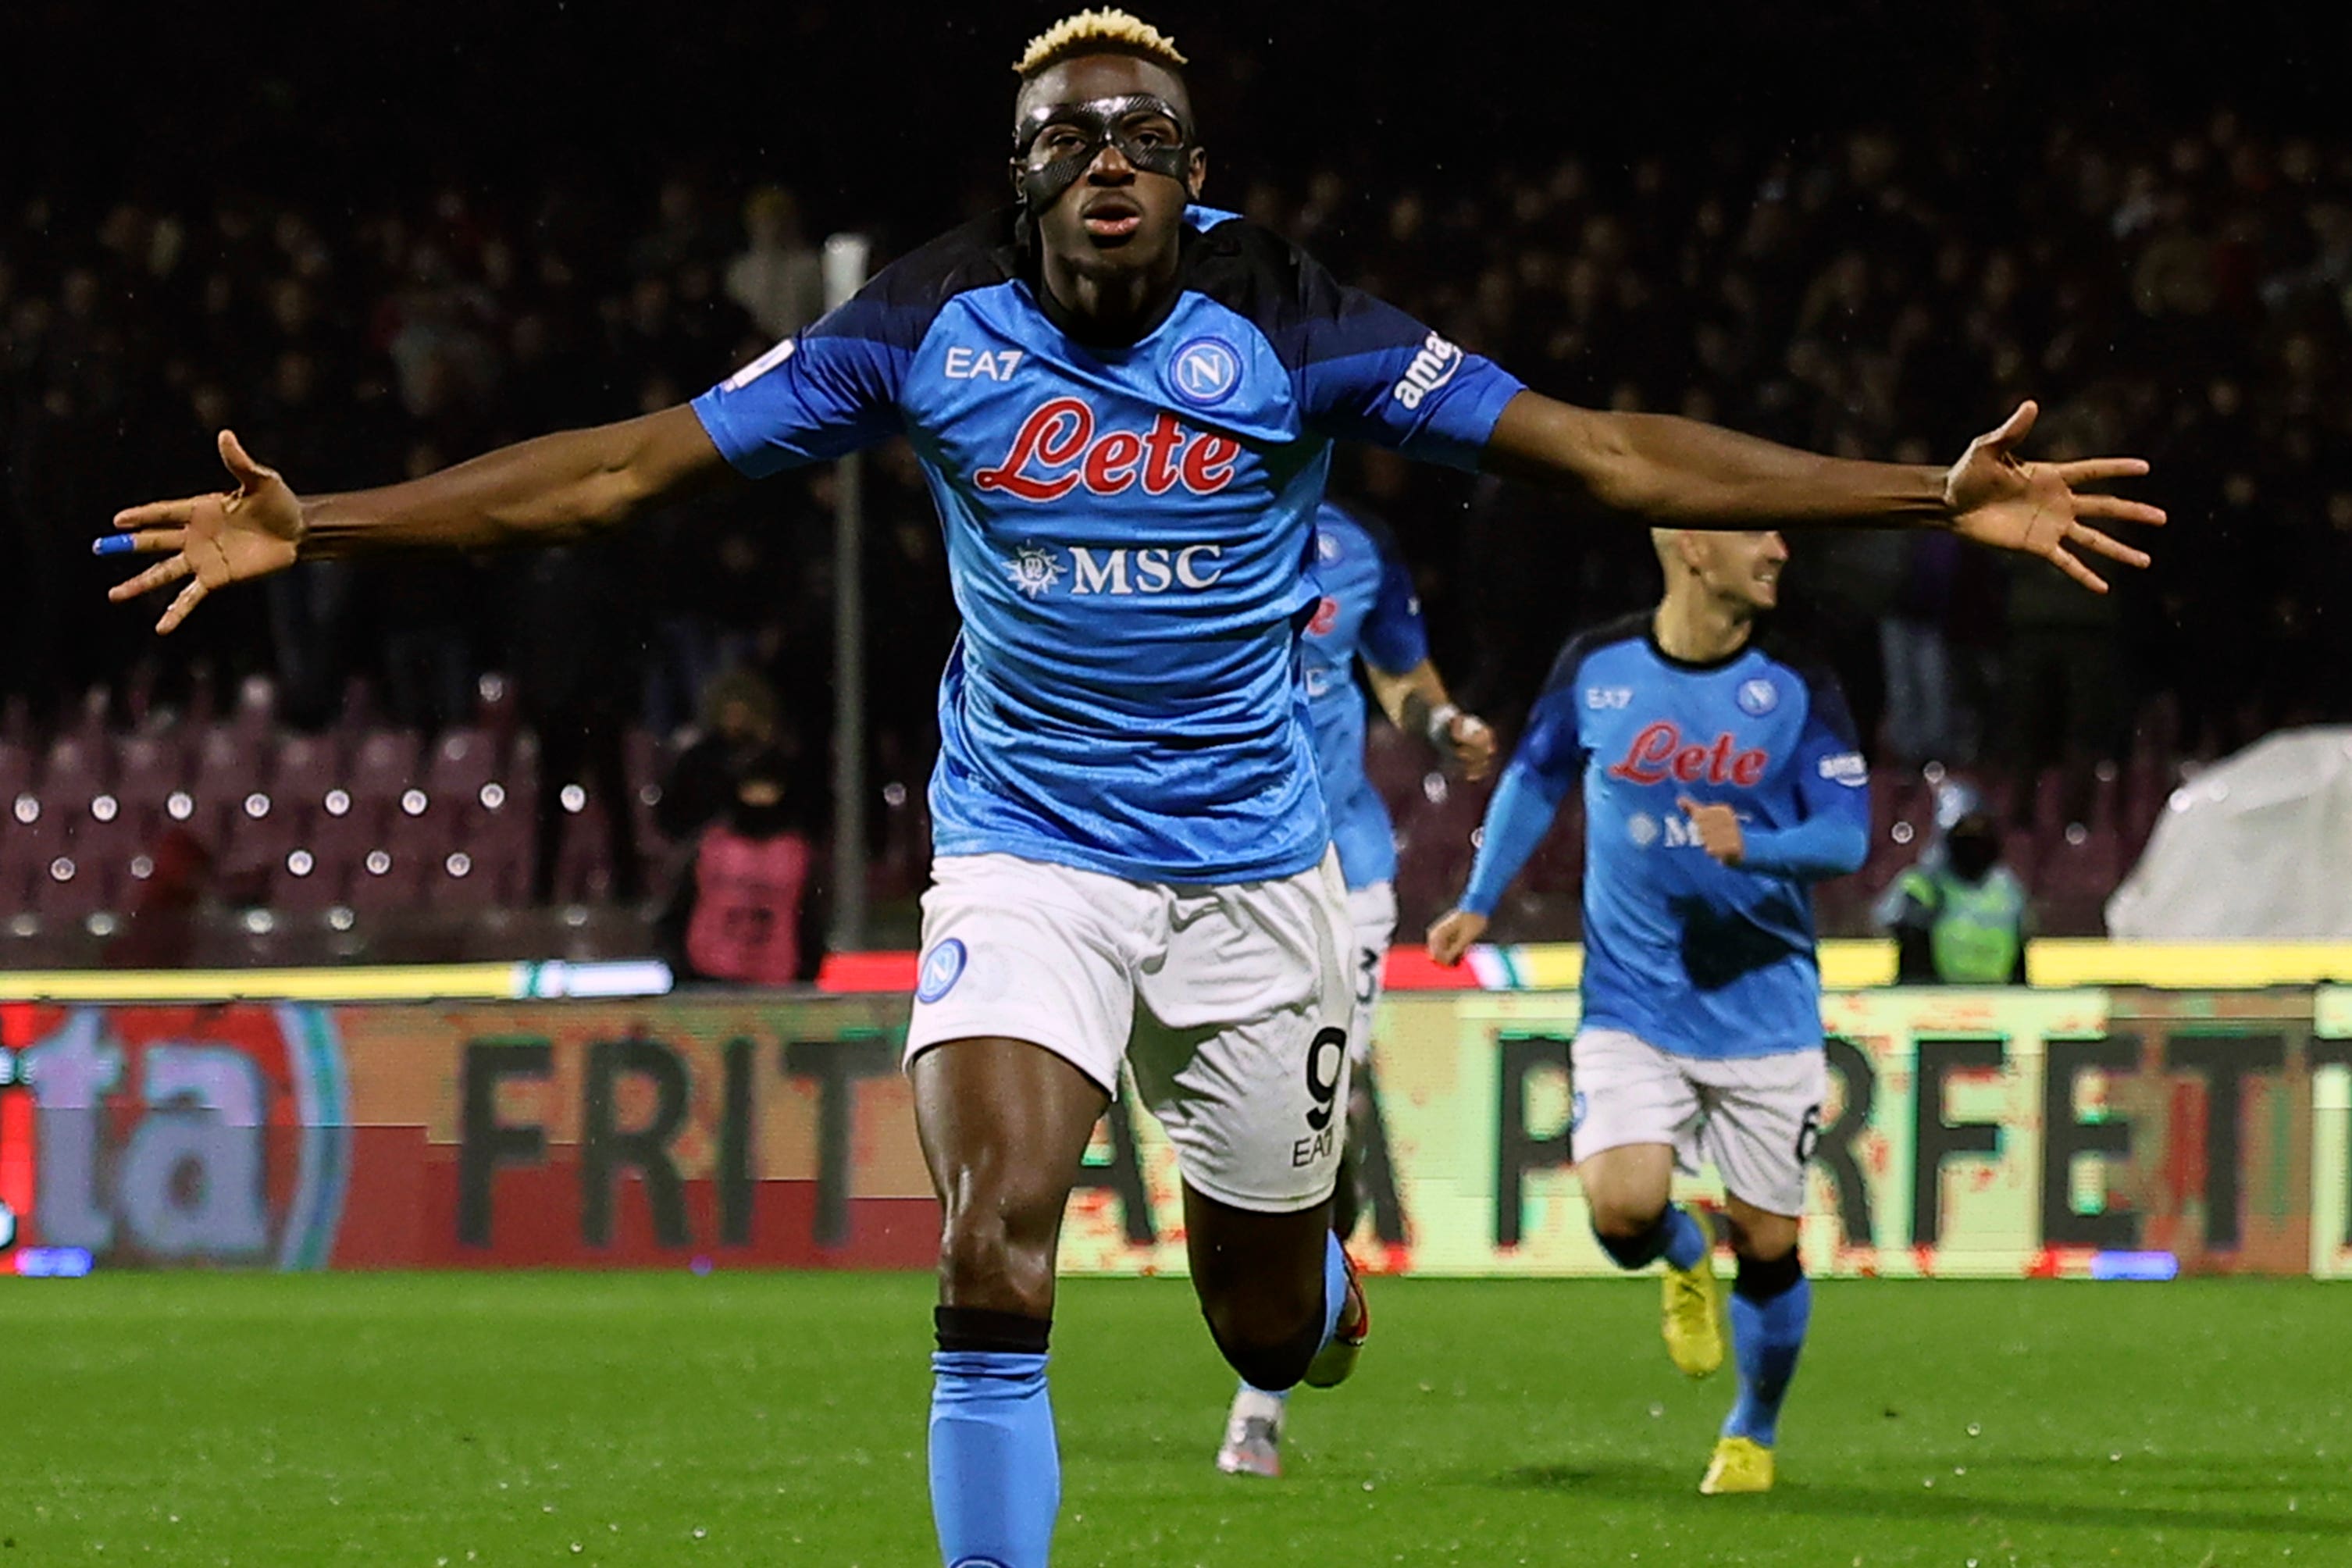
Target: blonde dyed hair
1090, 32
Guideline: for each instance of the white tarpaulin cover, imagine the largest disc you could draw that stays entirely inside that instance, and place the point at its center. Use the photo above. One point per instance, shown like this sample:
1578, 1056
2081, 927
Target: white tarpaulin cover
2256, 847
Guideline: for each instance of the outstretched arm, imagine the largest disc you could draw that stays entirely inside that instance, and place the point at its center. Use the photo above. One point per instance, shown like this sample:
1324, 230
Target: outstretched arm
1678, 473
542, 491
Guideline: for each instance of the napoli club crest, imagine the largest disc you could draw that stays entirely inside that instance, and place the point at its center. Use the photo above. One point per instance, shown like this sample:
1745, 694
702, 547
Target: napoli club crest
942, 967
1757, 697
1204, 371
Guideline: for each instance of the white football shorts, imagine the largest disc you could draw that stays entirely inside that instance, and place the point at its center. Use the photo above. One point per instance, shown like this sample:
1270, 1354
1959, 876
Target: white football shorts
1231, 1004
1372, 913
1754, 1118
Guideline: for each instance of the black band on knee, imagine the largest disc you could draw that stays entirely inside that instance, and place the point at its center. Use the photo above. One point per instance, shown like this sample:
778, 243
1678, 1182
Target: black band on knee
1272, 1367
1760, 1282
978, 1329
1640, 1249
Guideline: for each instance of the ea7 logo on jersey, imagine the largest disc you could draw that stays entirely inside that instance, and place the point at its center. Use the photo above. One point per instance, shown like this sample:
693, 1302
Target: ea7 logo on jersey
1846, 768
1432, 368
1055, 450
982, 365
1603, 698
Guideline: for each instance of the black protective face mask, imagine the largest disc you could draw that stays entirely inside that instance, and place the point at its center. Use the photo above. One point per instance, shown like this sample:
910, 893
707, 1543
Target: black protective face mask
1123, 122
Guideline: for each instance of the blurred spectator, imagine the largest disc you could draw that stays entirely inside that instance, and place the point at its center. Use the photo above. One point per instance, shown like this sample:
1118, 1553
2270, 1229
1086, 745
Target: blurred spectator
778, 277
746, 910
1959, 916
739, 724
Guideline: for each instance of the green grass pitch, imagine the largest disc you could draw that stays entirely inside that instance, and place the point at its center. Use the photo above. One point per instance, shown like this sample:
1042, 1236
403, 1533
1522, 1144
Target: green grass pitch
778, 1419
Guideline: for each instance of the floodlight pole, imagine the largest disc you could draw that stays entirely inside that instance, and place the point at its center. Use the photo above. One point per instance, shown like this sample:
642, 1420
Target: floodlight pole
845, 272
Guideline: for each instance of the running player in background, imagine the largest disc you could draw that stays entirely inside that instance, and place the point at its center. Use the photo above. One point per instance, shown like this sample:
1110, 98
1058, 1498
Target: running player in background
1722, 777
1369, 610
1125, 403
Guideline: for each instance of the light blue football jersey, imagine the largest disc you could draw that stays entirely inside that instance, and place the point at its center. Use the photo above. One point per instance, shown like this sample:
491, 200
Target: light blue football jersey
1128, 528
1694, 956
1368, 609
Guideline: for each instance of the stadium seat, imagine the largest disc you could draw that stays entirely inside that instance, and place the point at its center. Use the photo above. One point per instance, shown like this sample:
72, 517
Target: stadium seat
497, 714
1434, 847
460, 763
497, 842
1396, 763
17, 769
1556, 868
78, 765
583, 871
147, 769
388, 874
302, 881
306, 769
385, 767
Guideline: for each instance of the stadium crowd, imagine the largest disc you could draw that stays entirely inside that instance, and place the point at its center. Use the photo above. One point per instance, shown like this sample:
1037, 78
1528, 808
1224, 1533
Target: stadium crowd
1865, 293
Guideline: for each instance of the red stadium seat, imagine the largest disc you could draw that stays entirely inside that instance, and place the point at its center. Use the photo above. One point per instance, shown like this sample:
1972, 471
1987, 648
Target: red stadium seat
1395, 763
460, 763
68, 887
308, 768
388, 874
17, 770
385, 766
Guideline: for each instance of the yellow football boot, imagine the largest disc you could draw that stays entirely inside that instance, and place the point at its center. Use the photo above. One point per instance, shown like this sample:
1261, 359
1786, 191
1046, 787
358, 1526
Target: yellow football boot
1693, 1325
1740, 1464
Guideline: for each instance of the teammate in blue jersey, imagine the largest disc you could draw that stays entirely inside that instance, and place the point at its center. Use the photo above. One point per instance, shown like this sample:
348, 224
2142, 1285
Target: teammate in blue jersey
1124, 404
1369, 611
1722, 777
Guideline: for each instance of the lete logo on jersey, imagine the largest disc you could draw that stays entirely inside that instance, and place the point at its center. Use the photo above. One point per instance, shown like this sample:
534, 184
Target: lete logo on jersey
1659, 754
1056, 449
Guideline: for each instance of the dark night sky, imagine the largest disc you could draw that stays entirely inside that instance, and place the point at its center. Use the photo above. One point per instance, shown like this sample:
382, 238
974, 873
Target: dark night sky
883, 108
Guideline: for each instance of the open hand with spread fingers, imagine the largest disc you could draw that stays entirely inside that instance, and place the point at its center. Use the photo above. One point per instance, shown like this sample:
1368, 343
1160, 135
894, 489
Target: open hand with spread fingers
210, 540
2042, 509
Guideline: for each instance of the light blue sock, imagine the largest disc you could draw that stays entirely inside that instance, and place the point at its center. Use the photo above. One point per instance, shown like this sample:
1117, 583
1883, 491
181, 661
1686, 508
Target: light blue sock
1335, 1285
996, 1473
1767, 1336
1686, 1239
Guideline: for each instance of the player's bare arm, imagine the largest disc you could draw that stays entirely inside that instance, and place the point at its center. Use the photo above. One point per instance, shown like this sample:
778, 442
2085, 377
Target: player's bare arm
542, 491
1679, 473
1416, 702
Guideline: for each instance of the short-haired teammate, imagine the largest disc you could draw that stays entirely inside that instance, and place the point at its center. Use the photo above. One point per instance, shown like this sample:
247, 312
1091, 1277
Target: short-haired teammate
1722, 777
1369, 611
1124, 404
